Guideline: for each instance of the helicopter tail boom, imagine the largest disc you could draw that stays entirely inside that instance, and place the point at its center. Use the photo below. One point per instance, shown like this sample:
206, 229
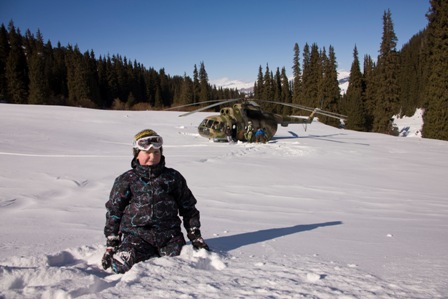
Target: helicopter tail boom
284, 121
312, 110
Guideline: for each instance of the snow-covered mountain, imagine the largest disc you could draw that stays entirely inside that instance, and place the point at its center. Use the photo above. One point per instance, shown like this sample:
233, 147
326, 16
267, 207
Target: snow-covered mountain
242, 86
248, 87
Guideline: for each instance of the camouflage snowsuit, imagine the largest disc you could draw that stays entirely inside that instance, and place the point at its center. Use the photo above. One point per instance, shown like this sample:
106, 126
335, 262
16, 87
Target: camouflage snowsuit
143, 207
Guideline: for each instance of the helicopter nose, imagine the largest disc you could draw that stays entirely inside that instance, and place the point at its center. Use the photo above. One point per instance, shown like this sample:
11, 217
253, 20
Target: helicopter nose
203, 131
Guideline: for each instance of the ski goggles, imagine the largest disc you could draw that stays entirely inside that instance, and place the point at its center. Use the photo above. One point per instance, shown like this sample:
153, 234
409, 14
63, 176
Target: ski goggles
146, 143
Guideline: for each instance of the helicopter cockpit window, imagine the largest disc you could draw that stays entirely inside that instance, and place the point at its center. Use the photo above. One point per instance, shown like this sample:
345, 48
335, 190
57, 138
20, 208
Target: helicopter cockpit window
209, 123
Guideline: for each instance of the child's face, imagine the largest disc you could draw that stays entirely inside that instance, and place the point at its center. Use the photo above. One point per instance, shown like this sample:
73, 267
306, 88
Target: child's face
149, 158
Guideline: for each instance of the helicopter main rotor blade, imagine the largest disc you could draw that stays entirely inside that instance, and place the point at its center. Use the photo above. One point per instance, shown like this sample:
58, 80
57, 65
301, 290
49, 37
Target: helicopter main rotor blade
331, 114
290, 105
209, 106
192, 104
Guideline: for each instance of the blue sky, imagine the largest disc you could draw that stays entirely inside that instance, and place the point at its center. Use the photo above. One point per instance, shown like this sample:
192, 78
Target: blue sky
233, 38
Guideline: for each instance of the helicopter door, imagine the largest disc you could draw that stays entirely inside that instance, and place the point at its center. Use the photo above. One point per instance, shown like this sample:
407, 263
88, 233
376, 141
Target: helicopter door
234, 131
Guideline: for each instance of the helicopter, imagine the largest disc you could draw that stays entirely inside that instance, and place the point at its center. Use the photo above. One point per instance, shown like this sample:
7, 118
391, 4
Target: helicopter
247, 112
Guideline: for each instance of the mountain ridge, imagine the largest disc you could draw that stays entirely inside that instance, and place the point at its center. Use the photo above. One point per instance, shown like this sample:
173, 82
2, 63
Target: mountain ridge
248, 87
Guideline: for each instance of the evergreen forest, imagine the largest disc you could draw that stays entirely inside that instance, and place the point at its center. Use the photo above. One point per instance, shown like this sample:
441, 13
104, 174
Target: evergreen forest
34, 72
397, 82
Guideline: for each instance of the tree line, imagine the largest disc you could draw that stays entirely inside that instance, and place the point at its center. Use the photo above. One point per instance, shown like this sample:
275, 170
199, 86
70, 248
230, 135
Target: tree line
399, 82
314, 85
35, 72
396, 83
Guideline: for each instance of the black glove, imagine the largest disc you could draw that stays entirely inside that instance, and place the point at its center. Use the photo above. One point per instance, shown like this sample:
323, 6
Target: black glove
196, 239
106, 261
113, 241
112, 244
199, 243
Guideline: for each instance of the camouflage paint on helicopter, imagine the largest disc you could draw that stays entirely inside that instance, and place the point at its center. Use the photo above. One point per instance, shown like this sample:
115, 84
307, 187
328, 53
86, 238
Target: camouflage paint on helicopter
239, 115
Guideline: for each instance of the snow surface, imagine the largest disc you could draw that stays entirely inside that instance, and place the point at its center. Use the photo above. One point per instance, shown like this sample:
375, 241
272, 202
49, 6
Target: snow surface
315, 213
343, 79
410, 126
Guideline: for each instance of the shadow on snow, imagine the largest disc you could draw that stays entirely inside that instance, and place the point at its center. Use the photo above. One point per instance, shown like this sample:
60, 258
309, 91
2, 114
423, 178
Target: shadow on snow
228, 243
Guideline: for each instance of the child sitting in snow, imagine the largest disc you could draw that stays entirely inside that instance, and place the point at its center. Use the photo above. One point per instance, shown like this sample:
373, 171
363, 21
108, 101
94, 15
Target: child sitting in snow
142, 212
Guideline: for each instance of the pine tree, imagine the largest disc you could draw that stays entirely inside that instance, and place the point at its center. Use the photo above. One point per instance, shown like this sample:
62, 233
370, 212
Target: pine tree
297, 73
277, 91
268, 90
307, 80
316, 76
175, 84
186, 94
71, 62
354, 96
436, 114
16, 71
330, 93
164, 89
332, 74
119, 69
4, 53
39, 90
196, 85
102, 82
51, 99
322, 87
133, 94
140, 71
369, 94
58, 75
80, 83
258, 88
412, 81
313, 76
286, 92
111, 82
388, 90
203, 81
158, 100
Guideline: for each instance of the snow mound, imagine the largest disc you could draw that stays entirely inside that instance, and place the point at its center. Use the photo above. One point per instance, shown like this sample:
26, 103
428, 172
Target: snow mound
77, 273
